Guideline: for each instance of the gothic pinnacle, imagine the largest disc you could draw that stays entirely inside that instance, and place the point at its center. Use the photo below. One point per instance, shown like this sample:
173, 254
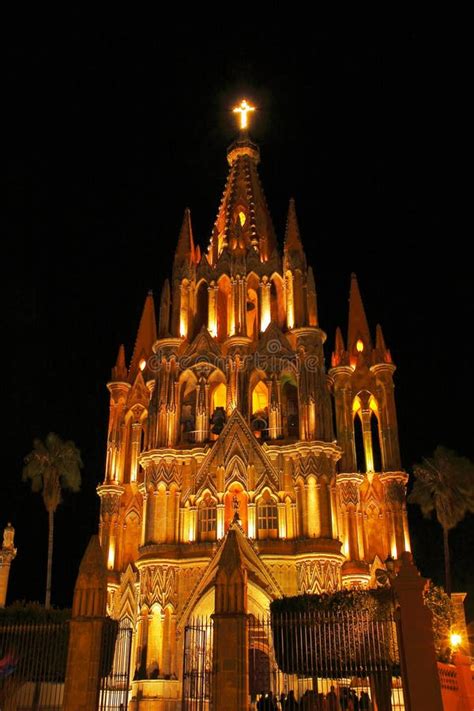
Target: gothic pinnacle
293, 247
164, 317
292, 232
119, 371
358, 337
146, 336
185, 248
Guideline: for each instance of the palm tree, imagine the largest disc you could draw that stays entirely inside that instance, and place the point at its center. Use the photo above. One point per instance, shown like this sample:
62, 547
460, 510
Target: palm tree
52, 465
444, 483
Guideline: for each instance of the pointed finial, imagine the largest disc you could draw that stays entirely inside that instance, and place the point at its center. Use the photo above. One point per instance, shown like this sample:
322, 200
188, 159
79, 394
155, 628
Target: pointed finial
165, 303
358, 338
339, 353
146, 337
382, 350
292, 232
185, 247
244, 108
119, 371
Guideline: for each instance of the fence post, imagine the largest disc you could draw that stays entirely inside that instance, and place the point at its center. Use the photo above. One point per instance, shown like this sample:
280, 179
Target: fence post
421, 684
81, 691
230, 687
465, 682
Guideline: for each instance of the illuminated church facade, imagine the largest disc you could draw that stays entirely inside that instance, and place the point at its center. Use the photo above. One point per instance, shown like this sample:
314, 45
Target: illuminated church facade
226, 417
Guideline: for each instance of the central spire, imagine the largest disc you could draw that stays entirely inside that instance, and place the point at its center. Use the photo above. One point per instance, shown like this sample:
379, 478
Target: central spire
243, 221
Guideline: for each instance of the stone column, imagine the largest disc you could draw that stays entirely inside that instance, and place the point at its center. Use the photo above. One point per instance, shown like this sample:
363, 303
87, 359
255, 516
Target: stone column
290, 303
348, 486
395, 495
110, 496
231, 644
7, 554
366, 415
344, 417
417, 652
118, 396
391, 453
325, 508
212, 310
184, 310
83, 672
233, 322
135, 449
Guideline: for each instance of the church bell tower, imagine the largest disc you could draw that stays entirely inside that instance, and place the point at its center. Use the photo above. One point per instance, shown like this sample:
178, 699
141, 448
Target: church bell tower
225, 421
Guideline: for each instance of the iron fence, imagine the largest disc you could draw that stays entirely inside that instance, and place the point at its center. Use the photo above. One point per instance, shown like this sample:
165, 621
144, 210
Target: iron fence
197, 667
33, 659
324, 661
115, 666
307, 661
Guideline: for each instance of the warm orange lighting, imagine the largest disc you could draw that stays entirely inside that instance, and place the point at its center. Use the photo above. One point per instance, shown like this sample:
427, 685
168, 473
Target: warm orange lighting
111, 556
243, 109
359, 346
242, 218
142, 364
373, 404
259, 397
455, 639
265, 315
219, 396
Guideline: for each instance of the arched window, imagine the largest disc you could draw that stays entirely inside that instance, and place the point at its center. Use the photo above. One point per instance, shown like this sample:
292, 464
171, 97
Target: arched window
202, 307
224, 327
259, 418
218, 409
290, 410
359, 443
277, 304
188, 406
207, 514
376, 453
298, 298
259, 397
267, 517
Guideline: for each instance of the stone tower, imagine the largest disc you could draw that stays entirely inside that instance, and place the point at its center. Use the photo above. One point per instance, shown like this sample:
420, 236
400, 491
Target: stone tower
226, 409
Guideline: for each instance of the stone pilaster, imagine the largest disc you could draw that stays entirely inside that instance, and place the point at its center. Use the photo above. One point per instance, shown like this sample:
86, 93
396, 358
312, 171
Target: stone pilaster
419, 668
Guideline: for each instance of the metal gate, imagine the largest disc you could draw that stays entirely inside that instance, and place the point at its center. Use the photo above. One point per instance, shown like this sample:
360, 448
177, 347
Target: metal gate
316, 660
325, 660
115, 666
197, 666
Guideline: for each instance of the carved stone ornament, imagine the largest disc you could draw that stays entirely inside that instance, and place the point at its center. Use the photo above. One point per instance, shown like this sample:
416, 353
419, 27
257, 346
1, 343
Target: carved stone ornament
158, 584
349, 493
396, 492
318, 576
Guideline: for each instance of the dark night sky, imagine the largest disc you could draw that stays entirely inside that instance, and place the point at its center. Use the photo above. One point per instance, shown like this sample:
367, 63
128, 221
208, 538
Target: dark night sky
114, 128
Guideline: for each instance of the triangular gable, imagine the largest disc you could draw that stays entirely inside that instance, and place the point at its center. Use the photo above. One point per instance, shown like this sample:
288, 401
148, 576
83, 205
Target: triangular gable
274, 343
139, 394
257, 571
203, 345
237, 442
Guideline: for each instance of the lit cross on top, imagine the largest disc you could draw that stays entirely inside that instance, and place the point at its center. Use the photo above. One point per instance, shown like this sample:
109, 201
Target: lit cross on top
243, 109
